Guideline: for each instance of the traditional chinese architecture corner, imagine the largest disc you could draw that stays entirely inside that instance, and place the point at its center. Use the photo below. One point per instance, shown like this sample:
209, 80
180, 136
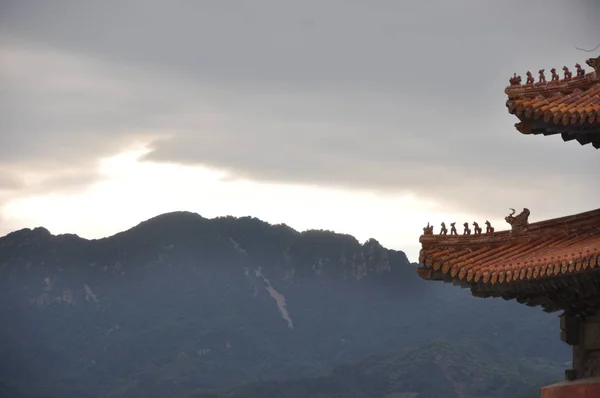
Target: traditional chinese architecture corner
553, 264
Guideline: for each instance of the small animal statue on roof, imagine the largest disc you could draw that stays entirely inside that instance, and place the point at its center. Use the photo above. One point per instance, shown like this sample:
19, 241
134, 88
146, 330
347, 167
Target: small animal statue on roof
476, 228
467, 231
568, 73
515, 80
542, 76
453, 229
428, 230
555, 76
520, 222
580, 71
595, 63
530, 79
488, 228
444, 230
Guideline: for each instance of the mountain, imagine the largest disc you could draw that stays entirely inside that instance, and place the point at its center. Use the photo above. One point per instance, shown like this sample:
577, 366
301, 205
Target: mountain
437, 369
181, 303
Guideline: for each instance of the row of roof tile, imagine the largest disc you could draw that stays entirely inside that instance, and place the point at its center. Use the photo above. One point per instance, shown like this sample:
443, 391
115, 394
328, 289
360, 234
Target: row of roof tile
567, 245
578, 107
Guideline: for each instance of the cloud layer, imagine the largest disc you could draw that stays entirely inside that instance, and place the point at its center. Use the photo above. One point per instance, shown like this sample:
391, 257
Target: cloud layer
384, 96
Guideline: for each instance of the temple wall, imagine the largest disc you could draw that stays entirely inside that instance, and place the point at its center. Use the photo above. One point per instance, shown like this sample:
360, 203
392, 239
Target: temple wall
585, 388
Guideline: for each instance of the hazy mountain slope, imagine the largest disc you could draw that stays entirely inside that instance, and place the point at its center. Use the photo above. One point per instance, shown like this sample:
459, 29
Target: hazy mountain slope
181, 303
433, 370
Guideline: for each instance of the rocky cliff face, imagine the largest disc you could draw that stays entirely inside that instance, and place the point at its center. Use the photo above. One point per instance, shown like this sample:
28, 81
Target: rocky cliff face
181, 302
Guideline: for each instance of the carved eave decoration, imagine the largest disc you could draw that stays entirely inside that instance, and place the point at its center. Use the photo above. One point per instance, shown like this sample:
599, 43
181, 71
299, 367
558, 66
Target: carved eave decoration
569, 106
532, 262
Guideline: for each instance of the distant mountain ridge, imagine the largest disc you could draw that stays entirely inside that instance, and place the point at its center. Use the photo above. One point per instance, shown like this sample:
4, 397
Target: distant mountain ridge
184, 226
181, 303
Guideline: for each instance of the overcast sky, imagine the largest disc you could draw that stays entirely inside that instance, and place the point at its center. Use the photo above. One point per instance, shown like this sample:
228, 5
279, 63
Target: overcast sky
368, 117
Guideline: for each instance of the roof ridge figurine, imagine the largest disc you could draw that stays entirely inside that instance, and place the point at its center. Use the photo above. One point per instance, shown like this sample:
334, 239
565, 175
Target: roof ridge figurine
515, 80
554, 263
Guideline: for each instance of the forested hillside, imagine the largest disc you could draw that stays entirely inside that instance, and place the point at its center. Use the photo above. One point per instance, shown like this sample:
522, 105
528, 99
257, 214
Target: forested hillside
181, 303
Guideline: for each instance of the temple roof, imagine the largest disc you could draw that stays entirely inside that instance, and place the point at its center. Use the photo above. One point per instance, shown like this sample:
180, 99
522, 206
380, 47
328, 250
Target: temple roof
547, 249
569, 106
554, 263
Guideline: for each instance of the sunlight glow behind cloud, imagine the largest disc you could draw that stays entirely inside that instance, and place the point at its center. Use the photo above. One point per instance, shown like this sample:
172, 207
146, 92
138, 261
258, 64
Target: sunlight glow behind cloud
248, 111
131, 191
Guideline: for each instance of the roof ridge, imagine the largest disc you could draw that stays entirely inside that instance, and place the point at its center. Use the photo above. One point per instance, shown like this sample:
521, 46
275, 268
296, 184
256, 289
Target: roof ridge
516, 88
533, 89
587, 219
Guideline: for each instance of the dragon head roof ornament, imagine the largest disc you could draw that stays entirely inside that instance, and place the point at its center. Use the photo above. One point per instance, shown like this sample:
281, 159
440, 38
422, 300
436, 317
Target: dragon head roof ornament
595, 63
520, 222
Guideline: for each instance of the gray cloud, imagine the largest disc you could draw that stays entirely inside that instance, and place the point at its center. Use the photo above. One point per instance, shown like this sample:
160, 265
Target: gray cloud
372, 45
9, 182
382, 95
